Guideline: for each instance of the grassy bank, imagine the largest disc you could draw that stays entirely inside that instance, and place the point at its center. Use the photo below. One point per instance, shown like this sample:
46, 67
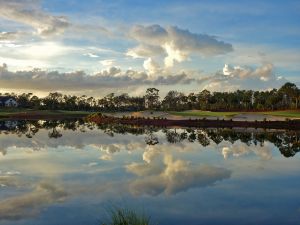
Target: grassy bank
205, 113
19, 113
204, 123
286, 113
198, 113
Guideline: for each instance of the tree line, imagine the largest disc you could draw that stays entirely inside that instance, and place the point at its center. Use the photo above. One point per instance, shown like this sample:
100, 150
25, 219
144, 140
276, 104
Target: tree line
286, 97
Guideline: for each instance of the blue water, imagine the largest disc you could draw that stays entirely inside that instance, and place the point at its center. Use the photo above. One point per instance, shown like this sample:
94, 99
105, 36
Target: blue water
77, 176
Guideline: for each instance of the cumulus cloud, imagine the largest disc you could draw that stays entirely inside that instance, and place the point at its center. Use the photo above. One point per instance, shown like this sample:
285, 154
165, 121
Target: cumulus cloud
29, 12
113, 77
165, 175
151, 66
175, 44
242, 77
107, 62
229, 79
264, 73
145, 51
7, 36
154, 34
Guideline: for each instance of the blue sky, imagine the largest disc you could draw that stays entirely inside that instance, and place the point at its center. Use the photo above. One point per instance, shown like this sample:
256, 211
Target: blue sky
187, 42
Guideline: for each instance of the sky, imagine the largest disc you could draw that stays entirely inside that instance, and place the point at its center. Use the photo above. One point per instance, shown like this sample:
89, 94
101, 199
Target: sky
97, 47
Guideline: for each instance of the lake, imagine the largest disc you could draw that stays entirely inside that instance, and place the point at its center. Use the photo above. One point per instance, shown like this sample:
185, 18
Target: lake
72, 173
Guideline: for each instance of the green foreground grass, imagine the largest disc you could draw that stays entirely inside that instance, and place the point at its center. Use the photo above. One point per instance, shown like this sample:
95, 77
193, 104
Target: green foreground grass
123, 216
286, 113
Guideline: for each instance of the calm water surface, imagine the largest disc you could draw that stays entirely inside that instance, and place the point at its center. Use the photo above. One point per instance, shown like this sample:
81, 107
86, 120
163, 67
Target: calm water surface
69, 173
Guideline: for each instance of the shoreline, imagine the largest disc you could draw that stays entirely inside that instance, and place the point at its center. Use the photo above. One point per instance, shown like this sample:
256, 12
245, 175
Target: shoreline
204, 123
161, 119
43, 115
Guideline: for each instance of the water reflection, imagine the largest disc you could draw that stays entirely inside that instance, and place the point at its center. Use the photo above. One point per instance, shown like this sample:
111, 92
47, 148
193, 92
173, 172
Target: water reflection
182, 176
288, 142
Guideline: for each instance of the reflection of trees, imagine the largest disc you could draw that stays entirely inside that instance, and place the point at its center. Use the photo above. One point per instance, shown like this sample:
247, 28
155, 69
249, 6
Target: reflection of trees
54, 133
111, 129
173, 136
151, 139
30, 128
31, 131
215, 135
202, 138
288, 142
191, 135
290, 145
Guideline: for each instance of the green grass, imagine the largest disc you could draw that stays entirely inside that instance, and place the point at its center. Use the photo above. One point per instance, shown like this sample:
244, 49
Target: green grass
6, 112
287, 113
70, 112
122, 216
204, 113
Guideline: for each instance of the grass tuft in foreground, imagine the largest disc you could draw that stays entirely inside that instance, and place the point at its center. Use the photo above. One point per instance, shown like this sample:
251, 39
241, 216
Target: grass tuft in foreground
120, 216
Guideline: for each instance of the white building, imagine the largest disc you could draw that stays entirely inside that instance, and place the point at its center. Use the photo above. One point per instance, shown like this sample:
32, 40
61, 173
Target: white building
7, 101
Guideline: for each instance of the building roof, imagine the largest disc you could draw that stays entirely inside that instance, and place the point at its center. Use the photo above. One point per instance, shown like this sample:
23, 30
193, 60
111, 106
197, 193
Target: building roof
5, 98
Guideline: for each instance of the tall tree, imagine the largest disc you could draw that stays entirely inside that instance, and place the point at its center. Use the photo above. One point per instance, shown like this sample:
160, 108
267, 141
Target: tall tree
152, 98
291, 92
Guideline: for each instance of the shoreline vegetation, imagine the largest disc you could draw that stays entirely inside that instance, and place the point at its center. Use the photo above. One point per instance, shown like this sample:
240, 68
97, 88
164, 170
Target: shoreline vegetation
288, 119
99, 118
15, 113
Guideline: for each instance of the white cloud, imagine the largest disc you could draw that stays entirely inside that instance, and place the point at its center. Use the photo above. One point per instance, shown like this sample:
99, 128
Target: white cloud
145, 51
243, 77
7, 36
154, 35
91, 55
174, 44
226, 70
151, 66
29, 12
44, 50
107, 62
41, 50
113, 77
264, 72
173, 55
